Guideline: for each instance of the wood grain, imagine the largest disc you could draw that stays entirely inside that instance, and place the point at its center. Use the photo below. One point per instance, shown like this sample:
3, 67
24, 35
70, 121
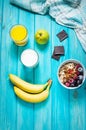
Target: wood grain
64, 109
42, 111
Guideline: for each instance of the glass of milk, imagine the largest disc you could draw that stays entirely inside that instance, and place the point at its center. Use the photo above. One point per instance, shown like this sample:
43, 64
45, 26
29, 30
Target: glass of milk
29, 58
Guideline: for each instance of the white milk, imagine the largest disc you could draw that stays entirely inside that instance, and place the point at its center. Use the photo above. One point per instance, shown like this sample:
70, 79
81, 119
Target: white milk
29, 58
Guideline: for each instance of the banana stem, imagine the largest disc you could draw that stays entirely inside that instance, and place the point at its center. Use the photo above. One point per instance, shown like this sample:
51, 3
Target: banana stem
49, 84
46, 84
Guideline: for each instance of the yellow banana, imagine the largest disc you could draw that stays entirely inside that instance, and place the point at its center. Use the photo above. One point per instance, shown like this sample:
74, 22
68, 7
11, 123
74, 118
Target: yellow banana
28, 87
33, 98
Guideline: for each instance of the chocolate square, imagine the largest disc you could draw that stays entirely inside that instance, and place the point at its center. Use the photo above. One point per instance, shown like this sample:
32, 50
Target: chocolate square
56, 57
59, 50
62, 35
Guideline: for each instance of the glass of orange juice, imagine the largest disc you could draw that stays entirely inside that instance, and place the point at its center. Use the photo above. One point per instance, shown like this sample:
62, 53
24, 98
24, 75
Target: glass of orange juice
19, 34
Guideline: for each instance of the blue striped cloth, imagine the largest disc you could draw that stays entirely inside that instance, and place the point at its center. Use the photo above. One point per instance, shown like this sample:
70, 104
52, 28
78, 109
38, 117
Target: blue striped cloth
63, 13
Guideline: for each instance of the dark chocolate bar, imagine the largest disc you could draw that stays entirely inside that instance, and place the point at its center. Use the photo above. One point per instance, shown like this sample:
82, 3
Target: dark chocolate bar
56, 57
59, 50
62, 35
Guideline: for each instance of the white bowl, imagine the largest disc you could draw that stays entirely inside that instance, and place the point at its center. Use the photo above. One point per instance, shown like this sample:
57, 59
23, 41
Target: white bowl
74, 61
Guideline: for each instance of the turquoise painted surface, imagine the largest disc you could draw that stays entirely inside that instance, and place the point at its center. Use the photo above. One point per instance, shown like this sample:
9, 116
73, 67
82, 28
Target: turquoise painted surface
64, 109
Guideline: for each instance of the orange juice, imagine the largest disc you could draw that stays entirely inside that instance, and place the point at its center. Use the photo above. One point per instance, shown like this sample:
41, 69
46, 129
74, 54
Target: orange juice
19, 35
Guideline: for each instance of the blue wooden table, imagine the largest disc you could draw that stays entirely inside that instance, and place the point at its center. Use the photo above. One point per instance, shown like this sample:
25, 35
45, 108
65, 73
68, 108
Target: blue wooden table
64, 109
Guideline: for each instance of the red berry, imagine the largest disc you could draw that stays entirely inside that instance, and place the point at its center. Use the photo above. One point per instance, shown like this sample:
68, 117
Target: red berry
77, 73
67, 84
77, 66
75, 76
71, 80
70, 71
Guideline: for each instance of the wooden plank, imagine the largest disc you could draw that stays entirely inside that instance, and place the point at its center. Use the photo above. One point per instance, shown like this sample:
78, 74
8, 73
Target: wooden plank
60, 96
77, 97
1, 17
42, 111
8, 65
25, 110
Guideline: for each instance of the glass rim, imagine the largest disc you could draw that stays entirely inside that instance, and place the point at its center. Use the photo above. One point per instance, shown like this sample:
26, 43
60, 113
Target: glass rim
25, 35
31, 66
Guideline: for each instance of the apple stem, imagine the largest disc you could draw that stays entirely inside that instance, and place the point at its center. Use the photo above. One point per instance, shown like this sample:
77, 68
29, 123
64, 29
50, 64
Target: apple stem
40, 34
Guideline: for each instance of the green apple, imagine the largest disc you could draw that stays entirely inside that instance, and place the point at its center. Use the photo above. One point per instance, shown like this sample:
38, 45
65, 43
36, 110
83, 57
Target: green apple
41, 36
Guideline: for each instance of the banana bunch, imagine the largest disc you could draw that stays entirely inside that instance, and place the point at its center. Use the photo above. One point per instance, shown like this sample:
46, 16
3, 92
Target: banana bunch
28, 92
